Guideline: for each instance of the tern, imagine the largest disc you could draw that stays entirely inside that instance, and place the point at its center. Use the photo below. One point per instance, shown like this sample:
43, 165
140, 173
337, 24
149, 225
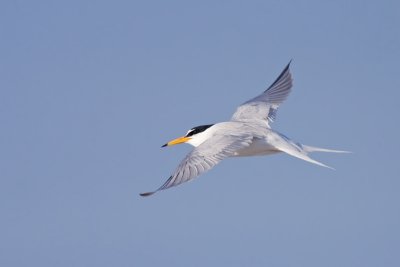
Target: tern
248, 133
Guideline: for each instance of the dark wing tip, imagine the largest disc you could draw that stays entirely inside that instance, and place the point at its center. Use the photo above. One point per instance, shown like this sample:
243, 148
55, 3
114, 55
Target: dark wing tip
286, 69
164, 186
146, 194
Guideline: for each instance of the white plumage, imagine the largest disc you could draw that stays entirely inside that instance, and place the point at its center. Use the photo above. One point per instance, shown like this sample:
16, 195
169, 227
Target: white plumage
247, 134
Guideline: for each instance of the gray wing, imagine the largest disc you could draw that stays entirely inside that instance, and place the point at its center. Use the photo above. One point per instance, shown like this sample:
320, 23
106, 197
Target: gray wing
204, 157
264, 106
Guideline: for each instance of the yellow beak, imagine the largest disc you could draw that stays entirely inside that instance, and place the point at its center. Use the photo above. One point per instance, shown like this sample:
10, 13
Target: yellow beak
178, 140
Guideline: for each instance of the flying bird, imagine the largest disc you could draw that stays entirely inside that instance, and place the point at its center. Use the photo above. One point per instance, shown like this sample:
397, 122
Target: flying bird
248, 133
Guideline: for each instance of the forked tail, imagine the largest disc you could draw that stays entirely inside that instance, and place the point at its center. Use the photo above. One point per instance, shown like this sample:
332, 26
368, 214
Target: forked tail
309, 149
298, 150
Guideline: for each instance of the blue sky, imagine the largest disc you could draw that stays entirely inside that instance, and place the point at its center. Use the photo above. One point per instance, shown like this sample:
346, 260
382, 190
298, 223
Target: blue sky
90, 90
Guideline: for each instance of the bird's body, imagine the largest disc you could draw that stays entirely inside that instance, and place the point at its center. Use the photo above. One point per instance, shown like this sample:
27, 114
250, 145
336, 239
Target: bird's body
248, 133
259, 134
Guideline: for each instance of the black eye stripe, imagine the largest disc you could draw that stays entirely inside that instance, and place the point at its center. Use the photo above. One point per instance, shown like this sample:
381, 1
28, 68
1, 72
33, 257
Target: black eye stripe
190, 133
198, 129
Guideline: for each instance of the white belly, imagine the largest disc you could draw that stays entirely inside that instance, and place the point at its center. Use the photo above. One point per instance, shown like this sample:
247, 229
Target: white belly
257, 148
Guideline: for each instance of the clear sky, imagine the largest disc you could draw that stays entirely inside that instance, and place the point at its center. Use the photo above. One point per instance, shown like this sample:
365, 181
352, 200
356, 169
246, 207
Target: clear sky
90, 90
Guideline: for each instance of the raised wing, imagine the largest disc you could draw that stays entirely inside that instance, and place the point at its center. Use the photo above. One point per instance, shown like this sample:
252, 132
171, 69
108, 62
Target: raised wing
264, 106
204, 157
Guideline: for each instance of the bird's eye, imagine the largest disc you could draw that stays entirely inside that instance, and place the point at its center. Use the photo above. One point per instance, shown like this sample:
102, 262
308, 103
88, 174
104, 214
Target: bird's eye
190, 133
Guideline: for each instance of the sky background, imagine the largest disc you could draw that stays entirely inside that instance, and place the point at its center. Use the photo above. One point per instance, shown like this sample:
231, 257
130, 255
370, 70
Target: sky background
90, 90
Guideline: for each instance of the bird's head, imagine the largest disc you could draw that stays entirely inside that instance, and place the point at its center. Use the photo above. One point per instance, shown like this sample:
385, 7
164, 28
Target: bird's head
194, 136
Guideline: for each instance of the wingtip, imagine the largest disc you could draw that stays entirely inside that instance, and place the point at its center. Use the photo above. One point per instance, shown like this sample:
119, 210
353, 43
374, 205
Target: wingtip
290, 62
146, 194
